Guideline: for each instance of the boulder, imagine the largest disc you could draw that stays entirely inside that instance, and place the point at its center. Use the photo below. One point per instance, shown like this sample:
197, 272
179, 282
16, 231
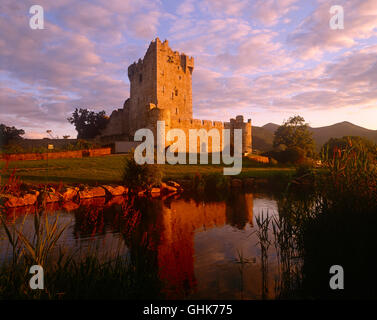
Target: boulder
236, 183
14, 202
69, 194
94, 192
52, 197
27, 200
115, 191
155, 190
173, 184
167, 188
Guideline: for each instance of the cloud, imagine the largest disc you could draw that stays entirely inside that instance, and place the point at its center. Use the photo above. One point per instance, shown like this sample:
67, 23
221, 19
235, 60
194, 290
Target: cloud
263, 57
313, 37
269, 12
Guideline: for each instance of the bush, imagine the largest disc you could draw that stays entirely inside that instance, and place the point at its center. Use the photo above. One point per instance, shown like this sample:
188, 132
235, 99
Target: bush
293, 155
144, 176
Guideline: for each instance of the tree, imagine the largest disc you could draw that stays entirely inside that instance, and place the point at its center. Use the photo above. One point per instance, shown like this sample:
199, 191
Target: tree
137, 176
294, 134
88, 123
8, 134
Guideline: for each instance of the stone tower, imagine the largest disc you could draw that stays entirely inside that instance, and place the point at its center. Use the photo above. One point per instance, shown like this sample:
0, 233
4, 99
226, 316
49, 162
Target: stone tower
163, 79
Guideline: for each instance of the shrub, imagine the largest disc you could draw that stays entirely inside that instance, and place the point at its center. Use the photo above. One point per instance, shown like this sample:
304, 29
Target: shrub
292, 155
144, 176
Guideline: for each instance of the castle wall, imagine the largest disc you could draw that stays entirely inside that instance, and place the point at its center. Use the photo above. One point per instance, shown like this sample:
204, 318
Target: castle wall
115, 125
196, 124
143, 82
161, 90
174, 91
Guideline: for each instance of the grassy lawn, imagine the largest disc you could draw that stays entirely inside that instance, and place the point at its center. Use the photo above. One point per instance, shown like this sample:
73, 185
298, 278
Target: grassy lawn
108, 169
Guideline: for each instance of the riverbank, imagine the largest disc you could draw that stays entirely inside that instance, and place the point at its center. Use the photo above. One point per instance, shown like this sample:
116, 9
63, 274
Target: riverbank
109, 169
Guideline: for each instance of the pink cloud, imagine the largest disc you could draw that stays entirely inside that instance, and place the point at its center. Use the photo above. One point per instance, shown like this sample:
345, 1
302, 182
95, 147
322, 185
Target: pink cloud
314, 36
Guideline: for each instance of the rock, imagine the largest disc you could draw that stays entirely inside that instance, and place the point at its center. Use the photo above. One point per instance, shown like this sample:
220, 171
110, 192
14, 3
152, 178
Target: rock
14, 202
167, 188
115, 191
236, 183
173, 184
92, 193
27, 200
155, 190
69, 194
52, 197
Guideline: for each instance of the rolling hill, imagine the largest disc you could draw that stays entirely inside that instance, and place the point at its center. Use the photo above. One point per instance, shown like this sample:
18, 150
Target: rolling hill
263, 136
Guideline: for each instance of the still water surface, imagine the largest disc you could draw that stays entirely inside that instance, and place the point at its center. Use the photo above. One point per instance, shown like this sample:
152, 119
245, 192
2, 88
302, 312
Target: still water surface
195, 246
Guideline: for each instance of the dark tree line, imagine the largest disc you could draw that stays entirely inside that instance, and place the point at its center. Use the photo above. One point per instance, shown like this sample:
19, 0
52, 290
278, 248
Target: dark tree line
8, 134
88, 123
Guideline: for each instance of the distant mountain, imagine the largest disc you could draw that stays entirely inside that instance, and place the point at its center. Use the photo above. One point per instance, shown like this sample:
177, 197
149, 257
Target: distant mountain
271, 127
263, 136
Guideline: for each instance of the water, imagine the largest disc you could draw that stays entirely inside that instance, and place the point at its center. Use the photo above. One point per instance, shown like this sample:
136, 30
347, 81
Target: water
195, 247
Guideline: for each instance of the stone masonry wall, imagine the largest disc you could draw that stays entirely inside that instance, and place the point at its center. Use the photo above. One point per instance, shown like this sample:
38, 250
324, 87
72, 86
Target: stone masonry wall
161, 90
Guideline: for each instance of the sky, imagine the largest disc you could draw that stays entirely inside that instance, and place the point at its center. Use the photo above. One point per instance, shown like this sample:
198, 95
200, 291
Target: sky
265, 59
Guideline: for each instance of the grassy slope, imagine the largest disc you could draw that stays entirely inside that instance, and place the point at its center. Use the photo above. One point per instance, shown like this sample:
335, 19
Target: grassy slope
109, 169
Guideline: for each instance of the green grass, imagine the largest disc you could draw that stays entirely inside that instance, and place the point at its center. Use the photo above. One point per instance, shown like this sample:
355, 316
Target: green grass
109, 169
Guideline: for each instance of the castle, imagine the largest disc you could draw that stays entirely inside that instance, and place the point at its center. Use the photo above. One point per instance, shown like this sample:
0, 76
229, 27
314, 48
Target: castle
161, 90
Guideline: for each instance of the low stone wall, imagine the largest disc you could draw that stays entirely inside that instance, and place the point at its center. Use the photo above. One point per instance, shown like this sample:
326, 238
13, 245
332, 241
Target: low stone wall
257, 158
99, 152
57, 155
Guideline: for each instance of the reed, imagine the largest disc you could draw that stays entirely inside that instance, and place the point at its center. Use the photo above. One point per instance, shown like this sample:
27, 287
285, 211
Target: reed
69, 276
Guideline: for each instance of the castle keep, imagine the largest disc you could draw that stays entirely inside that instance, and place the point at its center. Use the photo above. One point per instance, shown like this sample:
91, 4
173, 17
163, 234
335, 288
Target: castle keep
161, 90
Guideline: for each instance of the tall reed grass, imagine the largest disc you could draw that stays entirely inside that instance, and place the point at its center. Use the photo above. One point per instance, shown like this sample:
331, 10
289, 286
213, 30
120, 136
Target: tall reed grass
334, 224
69, 276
